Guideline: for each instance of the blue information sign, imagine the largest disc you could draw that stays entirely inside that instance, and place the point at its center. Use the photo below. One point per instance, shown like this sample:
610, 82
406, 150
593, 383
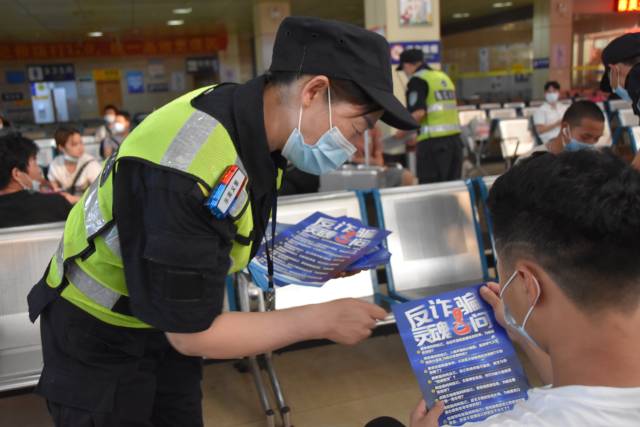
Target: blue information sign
431, 50
461, 355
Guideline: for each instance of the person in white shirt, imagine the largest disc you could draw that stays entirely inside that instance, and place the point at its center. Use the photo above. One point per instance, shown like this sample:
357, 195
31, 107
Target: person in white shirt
73, 170
109, 117
581, 128
566, 230
548, 116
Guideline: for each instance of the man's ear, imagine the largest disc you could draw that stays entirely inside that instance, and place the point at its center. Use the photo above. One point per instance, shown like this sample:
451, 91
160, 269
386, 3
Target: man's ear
15, 173
535, 281
316, 86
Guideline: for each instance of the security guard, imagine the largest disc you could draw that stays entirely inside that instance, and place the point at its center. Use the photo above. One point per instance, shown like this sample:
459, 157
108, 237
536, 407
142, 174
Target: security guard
132, 298
431, 99
621, 59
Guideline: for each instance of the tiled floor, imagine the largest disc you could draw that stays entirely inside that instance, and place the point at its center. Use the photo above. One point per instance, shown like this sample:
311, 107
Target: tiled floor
328, 386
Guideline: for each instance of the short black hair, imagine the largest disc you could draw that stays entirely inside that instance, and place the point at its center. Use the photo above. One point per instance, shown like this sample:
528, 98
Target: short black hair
577, 214
632, 61
62, 134
582, 110
124, 114
552, 83
15, 152
341, 89
110, 107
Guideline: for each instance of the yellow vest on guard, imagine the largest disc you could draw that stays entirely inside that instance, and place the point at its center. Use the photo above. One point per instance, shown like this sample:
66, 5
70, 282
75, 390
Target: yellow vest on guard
442, 111
176, 137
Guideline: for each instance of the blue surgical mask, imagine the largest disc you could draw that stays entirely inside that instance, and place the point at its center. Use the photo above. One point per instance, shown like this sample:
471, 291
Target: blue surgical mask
508, 317
575, 145
328, 154
620, 90
35, 184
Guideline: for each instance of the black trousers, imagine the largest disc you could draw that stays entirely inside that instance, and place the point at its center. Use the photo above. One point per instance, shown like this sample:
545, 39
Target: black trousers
100, 375
439, 159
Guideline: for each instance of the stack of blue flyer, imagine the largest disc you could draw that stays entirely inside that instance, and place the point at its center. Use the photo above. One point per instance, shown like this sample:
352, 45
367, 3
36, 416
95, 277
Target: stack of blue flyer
318, 249
461, 355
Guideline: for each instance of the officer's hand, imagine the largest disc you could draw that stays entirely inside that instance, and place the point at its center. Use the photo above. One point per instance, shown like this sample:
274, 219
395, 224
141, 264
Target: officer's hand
347, 321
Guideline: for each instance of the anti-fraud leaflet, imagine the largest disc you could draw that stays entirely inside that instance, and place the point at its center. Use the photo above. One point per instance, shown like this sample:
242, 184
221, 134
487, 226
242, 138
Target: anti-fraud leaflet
461, 355
316, 249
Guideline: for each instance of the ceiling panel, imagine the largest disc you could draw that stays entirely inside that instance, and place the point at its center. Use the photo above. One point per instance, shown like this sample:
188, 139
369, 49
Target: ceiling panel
71, 20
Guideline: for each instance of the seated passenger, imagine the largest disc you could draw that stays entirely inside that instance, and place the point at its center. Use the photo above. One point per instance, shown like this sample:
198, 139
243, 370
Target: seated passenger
119, 131
547, 117
73, 170
20, 201
109, 116
581, 127
566, 230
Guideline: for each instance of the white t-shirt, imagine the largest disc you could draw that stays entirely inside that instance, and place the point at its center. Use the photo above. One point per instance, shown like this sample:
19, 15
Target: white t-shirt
546, 115
58, 172
572, 406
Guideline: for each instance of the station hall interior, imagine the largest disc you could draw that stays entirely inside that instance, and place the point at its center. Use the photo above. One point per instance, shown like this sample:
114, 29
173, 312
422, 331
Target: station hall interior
89, 72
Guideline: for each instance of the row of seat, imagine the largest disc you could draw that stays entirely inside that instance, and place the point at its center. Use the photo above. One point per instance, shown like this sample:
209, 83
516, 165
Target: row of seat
436, 242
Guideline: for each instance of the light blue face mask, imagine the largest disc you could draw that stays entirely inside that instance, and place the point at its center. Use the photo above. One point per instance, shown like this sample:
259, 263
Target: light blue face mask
508, 317
575, 145
328, 154
620, 90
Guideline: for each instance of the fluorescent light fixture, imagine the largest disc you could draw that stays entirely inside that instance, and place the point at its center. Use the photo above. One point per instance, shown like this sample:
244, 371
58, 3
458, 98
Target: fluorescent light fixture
95, 34
499, 5
182, 10
175, 22
461, 15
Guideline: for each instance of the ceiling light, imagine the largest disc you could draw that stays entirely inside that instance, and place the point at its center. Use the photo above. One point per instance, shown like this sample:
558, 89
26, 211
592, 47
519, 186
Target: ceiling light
175, 22
461, 15
499, 5
182, 10
95, 34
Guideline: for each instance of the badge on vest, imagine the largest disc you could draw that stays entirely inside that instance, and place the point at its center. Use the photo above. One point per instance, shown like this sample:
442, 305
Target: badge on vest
226, 192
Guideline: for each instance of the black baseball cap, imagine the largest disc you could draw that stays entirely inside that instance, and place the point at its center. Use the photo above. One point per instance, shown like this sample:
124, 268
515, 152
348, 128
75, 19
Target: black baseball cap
410, 56
618, 50
343, 51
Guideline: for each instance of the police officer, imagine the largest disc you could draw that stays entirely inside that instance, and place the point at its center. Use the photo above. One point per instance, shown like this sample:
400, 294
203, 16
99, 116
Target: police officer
431, 99
132, 298
621, 59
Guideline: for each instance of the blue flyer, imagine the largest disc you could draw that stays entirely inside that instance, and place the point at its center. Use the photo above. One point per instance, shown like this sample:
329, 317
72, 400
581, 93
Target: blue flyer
461, 355
317, 249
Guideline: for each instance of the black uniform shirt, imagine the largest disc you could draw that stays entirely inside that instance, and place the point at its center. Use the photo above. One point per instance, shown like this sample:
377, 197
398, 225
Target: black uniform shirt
175, 253
417, 91
27, 208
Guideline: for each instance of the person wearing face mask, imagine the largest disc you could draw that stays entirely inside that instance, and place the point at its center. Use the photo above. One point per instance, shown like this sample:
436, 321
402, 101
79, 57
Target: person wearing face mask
621, 78
547, 117
21, 203
133, 298
581, 127
73, 170
119, 131
108, 116
566, 230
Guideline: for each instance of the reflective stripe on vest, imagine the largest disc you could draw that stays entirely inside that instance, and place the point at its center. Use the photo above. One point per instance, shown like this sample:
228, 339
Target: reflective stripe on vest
440, 129
184, 147
441, 107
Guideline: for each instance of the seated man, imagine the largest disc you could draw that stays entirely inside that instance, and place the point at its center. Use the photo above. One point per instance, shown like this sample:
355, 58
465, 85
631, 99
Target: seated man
20, 201
547, 117
566, 230
581, 127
